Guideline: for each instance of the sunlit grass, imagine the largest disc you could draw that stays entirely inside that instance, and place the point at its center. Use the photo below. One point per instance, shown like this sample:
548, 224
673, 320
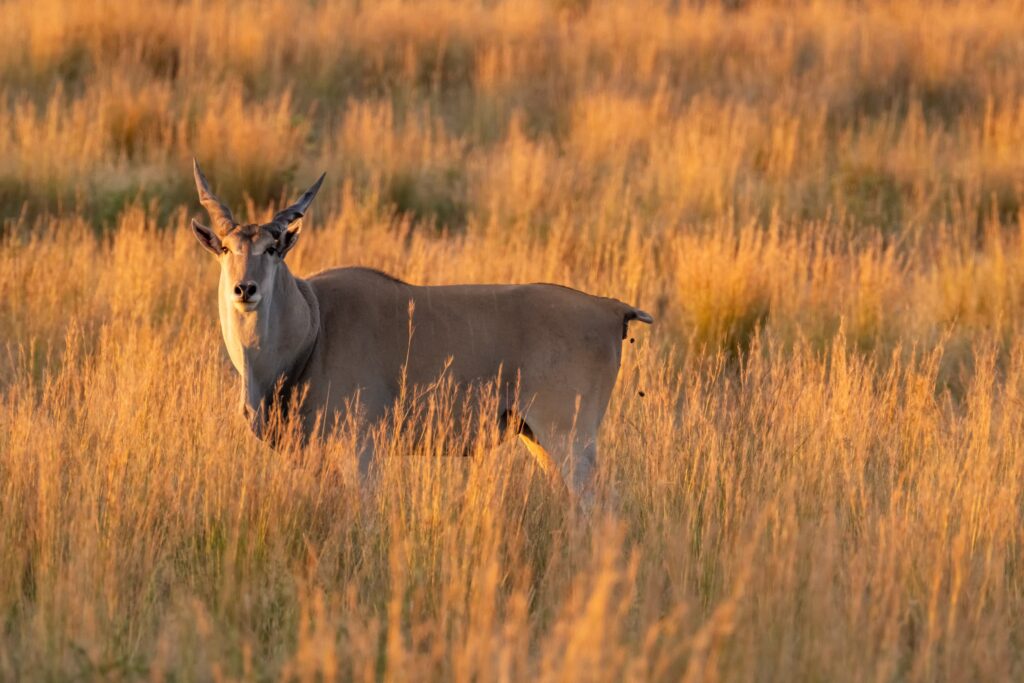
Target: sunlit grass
813, 464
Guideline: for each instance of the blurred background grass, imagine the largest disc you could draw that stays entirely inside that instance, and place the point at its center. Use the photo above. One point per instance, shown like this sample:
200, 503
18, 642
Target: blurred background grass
881, 138
820, 202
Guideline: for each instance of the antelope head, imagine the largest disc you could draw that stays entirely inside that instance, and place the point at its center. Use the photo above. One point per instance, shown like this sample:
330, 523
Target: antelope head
250, 255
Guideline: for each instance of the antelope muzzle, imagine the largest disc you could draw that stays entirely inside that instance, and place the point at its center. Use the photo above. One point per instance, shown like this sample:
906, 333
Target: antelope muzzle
247, 295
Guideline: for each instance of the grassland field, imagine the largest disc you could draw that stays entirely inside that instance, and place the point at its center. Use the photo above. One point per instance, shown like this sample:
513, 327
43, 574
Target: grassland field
821, 203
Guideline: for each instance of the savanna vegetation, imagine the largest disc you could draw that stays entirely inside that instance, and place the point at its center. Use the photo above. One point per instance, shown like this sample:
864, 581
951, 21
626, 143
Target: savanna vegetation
812, 467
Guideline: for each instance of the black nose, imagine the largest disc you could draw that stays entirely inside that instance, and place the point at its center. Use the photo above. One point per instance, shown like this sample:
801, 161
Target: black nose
245, 290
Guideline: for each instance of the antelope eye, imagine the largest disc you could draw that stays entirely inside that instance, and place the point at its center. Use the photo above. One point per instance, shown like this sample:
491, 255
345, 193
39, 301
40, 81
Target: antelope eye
224, 250
271, 251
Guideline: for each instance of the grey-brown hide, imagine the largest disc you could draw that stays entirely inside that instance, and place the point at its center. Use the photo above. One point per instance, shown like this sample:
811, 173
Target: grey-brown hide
343, 336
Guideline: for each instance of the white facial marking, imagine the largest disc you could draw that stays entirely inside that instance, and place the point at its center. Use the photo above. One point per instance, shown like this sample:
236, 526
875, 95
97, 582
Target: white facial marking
248, 306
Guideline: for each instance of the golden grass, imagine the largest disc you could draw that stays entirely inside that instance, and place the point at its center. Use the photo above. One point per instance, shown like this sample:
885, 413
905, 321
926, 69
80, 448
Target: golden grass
812, 467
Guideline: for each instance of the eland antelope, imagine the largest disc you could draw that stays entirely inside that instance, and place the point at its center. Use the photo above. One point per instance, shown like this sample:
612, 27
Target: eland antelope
344, 337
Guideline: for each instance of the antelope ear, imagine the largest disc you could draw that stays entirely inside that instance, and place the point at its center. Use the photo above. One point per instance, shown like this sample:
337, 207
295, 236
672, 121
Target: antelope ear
206, 237
289, 237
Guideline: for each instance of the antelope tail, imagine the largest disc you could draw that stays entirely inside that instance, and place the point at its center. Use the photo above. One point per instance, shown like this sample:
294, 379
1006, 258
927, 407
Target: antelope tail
634, 314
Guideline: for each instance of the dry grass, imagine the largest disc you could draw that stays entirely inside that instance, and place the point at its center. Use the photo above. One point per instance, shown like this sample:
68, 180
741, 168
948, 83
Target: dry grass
824, 209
